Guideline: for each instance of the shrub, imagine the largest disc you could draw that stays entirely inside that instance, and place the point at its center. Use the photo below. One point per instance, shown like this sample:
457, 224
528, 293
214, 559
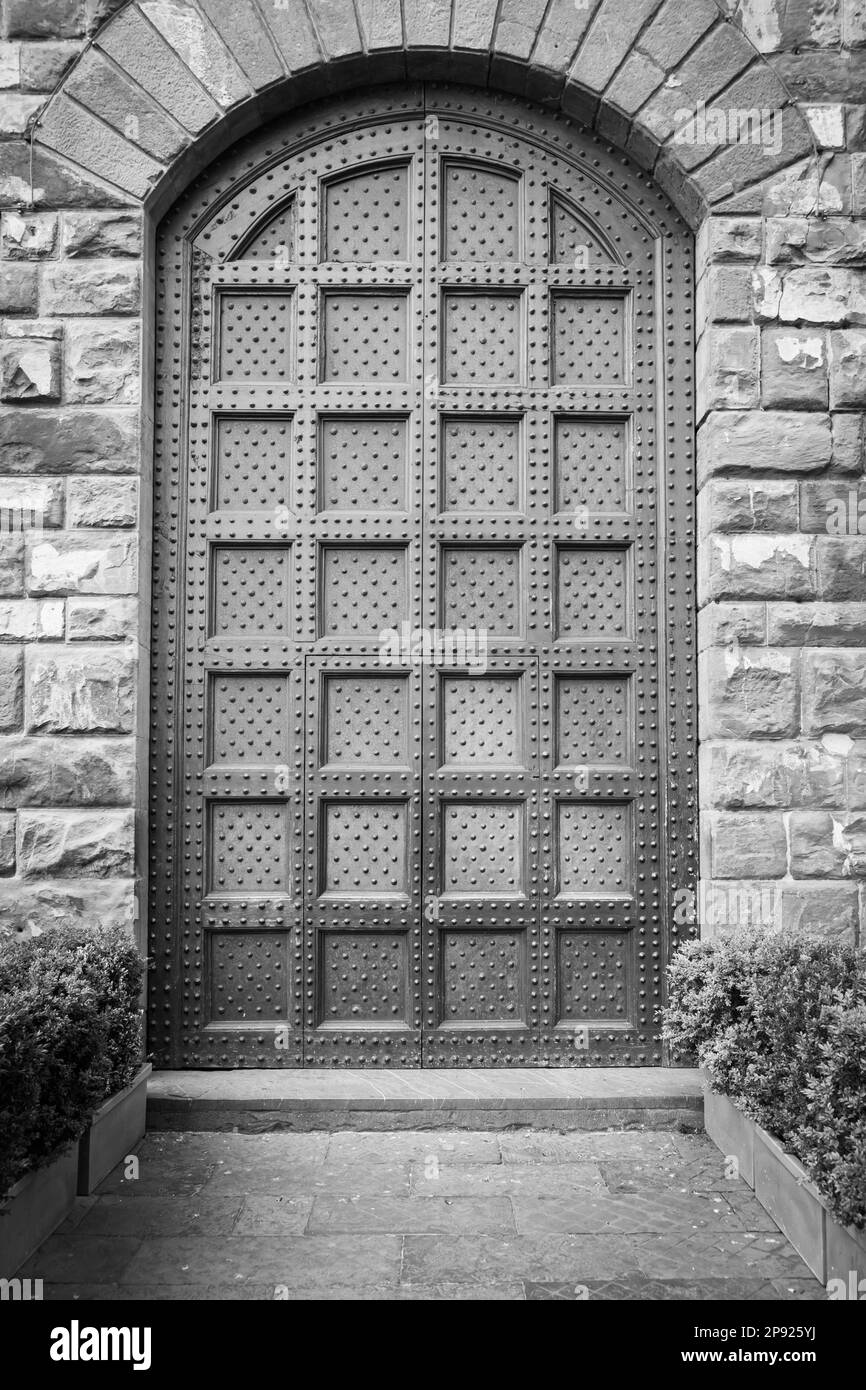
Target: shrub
70, 1036
777, 1021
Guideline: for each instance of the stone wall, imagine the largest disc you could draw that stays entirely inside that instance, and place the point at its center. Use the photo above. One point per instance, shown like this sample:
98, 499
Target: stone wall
162, 85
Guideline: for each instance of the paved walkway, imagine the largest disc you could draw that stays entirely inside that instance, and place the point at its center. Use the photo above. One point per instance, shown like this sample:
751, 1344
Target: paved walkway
524, 1214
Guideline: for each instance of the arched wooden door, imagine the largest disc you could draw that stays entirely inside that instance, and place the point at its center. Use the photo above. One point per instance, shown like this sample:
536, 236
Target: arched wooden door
422, 773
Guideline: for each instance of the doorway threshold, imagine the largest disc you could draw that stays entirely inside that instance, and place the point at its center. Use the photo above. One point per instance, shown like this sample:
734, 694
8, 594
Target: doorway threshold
257, 1102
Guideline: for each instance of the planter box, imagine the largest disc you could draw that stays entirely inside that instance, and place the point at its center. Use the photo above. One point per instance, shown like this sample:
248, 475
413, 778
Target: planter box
115, 1128
783, 1188
37, 1204
732, 1131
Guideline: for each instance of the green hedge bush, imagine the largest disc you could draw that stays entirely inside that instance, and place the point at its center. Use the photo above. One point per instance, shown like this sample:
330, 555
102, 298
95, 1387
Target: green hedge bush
778, 1021
70, 1037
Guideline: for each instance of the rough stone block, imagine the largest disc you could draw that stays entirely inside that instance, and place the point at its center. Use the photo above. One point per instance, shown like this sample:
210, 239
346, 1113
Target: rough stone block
766, 292
757, 566
763, 775
43, 64
10, 66
80, 690
11, 563
102, 501
18, 289
733, 504
17, 114
744, 844
98, 287
72, 844
825, 294
728, 370
729, 239
69, 441
821, 909
764, 441
30, 369
815, 241
92, 903
102, 619
101, 234
102, 363
723, 624
725, 294
794, 368
45, 19
32, 620
76, 771
7, 842
816, 624
750, 692
833, 506
816, 847
31, 503
848, 368
840, 568
28, 236
849, 443
834, 692
98, 562
11, 687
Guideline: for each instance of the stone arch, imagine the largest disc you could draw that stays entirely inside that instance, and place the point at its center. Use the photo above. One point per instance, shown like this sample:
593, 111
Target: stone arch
166, 85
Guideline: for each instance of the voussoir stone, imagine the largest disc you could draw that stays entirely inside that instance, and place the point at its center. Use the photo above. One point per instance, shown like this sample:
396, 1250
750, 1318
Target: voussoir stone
81, 690
52, 771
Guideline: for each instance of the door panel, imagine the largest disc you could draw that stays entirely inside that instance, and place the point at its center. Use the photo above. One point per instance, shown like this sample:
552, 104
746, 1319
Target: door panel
423, 460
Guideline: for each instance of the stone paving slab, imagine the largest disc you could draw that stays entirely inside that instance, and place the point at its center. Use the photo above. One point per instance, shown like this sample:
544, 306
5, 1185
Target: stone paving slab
435, 1216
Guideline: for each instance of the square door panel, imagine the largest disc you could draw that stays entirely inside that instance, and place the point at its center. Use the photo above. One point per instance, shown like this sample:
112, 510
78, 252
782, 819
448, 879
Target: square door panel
590, 461
592, 720
588, 339
251, 591
365, 336
481, 213
483, 977
249, 847
481, 589
362, 978
482, 338
249, 719
482, 849
592, 593
366, 719
256, 332
249, 979
253, 463
480, 463
594, 847
592, 978
366, 216
365, 590
364, 851
362, 463
482, 720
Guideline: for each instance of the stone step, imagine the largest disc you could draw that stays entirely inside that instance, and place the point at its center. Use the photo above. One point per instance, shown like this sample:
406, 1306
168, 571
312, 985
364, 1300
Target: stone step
318, 1099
